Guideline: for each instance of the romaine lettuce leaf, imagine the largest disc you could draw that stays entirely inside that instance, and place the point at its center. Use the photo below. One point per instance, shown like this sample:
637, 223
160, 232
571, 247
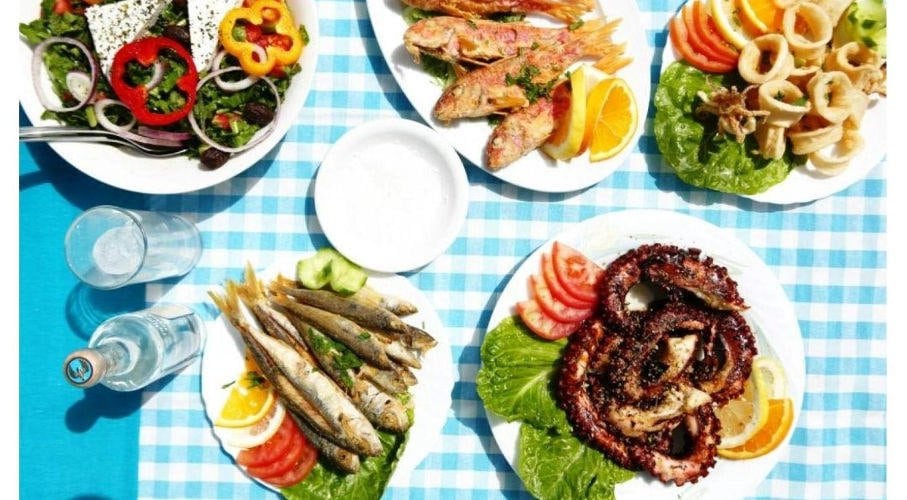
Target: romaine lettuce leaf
696, 150
516, 375
324, 482
561, 467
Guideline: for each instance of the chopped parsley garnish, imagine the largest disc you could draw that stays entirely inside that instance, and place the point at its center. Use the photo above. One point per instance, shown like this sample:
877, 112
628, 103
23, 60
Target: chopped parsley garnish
228, 384
575, 25
534, 91
364, 335
253, 379
508, 17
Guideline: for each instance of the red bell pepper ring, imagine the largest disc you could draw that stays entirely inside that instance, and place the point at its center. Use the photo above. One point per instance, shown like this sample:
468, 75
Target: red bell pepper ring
145, 52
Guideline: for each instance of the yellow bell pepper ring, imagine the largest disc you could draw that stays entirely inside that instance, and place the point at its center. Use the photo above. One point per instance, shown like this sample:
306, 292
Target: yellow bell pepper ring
265, 27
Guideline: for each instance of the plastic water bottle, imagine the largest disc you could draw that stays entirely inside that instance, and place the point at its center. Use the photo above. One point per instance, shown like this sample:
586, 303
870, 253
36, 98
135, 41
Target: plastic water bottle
129, 351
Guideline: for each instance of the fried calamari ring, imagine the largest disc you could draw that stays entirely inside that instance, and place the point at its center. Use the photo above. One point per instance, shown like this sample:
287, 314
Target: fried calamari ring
862, 65
831, 94
765, 58
782, 99
807, 29
812, 134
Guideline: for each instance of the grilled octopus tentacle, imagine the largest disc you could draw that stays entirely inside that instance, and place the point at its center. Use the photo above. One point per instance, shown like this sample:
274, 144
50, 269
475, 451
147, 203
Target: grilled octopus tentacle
632, 382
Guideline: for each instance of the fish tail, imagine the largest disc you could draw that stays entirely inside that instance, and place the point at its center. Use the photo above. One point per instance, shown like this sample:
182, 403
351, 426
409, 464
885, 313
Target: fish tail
565, 10
594, 39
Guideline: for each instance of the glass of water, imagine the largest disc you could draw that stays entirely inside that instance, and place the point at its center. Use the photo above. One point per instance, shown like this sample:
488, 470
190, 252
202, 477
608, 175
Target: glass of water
109, 247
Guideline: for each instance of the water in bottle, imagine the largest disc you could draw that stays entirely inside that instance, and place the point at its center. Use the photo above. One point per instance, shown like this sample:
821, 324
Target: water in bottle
129, 351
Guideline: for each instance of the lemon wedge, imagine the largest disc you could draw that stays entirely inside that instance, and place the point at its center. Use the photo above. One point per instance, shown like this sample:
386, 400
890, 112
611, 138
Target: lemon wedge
567, 139
255, 434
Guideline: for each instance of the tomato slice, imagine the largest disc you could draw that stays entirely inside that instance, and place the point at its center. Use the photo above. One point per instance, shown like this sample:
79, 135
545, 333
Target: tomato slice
679, 40
705, 25
541, 324
283, 464
554, 309
697, 42
554, 286
576, 273
298, 473
272, 449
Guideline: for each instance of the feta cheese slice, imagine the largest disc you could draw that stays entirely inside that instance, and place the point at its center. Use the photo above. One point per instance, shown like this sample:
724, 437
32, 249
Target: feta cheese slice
113, 25
204, 25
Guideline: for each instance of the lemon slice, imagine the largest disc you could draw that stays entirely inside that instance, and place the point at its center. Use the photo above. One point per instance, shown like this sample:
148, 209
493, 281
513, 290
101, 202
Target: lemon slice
771, 373
567, 139
741, 418
724, 12
255, 434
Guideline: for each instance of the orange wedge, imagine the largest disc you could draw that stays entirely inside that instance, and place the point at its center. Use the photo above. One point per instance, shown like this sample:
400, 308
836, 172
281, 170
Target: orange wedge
764, 15
611, 119
769, 436
250, 399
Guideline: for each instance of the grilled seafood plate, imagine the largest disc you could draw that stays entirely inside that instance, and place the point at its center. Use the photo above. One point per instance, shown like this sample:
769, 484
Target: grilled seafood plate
511, 69
338, 398
683, 401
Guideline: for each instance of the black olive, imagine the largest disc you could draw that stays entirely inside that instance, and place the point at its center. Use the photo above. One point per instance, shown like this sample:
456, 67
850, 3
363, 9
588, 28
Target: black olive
180, 4
178, 33
214, 158
257, 113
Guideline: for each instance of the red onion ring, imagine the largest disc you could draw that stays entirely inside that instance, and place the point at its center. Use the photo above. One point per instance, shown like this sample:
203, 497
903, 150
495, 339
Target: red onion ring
167, 135
156, 77
259, 136
151, 141
37, 62
105, 122
238, 85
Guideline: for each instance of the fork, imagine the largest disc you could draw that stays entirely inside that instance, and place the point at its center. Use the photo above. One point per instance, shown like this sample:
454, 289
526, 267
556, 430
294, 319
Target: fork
97, 136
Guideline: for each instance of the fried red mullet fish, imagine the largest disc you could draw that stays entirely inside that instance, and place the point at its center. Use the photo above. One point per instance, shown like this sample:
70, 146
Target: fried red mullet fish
643, 386
565, 10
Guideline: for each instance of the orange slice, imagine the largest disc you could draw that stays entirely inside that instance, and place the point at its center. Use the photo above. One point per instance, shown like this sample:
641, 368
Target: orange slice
256, 434
611, 119
777, 425
764, 15
249, 401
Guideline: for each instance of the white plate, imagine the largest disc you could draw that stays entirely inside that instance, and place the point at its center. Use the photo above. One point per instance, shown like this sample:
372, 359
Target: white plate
391, 195
805, 184
222, 360
535, 171
771, 316
142, 174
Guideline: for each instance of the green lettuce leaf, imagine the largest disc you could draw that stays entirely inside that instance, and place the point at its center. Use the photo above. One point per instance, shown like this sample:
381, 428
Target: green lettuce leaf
561, 467
325, 482
516, 375
696, 150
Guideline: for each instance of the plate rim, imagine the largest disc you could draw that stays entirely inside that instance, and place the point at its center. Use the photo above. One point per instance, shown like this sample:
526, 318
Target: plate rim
445, 371
642, 58
502, 429
89, 159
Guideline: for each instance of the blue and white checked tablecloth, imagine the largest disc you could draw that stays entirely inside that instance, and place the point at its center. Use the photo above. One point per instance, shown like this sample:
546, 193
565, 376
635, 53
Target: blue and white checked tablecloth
828, 255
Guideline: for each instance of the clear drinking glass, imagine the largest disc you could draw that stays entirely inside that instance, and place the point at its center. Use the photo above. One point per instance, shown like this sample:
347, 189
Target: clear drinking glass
109, 247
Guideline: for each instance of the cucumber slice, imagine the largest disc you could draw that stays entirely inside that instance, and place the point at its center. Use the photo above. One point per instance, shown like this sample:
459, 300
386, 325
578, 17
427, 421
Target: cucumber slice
328, 266
349, 280
315, 272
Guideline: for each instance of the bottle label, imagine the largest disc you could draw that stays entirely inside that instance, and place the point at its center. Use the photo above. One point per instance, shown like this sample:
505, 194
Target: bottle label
79, 370
170, 311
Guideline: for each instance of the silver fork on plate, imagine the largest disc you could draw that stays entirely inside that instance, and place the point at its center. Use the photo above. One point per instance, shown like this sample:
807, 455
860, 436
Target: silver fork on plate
97, 136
